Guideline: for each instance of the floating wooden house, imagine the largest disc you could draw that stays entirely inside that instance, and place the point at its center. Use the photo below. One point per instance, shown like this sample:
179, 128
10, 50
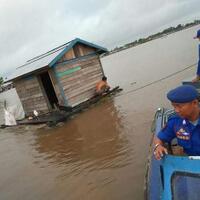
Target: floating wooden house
65, 76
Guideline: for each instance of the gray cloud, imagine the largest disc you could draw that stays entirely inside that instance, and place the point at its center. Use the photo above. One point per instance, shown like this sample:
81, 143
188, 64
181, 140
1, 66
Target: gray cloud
29, 28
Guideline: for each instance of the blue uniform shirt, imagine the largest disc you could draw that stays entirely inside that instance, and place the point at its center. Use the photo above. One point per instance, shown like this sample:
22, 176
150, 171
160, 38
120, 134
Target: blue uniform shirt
188, 135
198, 67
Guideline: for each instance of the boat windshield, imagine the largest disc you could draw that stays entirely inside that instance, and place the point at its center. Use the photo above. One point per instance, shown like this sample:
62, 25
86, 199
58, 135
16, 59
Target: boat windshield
185, 186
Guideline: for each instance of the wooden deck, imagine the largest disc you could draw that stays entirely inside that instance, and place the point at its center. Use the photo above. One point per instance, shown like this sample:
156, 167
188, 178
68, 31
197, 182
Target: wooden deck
65, 113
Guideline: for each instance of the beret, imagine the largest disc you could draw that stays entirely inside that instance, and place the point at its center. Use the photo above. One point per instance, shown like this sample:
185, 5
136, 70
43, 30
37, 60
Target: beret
183, 94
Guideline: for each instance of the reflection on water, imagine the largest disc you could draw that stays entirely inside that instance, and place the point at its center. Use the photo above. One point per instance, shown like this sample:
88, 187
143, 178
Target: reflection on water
100, 153
90, 152
93, 143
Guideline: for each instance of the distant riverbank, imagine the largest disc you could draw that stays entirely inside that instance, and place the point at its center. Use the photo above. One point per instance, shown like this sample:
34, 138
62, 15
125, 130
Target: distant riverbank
161, 34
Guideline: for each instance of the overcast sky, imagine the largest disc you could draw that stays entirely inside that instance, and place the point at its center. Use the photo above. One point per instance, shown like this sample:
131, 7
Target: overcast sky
31, 27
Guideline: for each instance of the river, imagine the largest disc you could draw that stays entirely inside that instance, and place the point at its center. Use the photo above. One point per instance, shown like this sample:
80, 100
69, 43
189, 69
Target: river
101, 153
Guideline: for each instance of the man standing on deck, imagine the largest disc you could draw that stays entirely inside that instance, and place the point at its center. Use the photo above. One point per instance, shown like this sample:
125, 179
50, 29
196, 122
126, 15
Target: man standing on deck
102, 86
185, 126
198, 67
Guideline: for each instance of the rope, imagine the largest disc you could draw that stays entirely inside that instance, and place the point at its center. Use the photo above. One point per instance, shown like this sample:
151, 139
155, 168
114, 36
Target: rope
156, 81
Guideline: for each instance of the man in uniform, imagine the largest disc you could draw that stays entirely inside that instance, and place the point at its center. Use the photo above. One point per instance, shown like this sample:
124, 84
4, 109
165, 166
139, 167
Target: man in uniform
198, 67
102, 86
185, 126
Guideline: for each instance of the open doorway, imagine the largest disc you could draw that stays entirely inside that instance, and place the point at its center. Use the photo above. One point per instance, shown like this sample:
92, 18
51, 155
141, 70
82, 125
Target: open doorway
49, 89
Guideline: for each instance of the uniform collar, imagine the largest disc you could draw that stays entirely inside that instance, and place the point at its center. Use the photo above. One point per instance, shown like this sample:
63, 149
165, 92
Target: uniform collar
186, 121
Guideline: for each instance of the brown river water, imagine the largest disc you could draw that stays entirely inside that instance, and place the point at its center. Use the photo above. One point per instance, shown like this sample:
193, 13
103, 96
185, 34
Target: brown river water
101, 153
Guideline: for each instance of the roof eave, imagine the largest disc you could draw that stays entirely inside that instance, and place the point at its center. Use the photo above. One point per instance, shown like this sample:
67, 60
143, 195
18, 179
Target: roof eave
27, 74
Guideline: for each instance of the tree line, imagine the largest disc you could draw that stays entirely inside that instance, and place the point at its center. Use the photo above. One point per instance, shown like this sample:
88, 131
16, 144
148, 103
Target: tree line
154, 36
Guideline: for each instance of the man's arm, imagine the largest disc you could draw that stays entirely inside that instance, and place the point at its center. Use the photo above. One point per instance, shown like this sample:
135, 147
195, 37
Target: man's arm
166, 134
159, 149
108, 86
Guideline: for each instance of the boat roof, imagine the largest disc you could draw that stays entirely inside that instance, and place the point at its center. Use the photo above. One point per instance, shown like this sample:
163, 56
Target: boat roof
49, 58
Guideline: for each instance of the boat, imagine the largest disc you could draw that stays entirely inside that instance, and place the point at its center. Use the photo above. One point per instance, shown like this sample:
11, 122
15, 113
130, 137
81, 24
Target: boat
176, 176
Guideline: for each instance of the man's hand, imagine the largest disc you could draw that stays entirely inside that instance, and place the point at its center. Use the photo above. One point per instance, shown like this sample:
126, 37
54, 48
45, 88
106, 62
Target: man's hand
159, 152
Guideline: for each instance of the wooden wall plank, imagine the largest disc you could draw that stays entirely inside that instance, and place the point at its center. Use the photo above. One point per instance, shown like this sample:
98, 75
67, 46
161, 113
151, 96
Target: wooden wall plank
80, 85
31, 95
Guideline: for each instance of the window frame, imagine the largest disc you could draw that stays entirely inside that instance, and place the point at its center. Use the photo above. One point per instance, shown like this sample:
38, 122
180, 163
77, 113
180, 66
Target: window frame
178, 173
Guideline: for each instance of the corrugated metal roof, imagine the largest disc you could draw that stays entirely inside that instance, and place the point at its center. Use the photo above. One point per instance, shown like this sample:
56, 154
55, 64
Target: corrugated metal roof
47, 59
36, 63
